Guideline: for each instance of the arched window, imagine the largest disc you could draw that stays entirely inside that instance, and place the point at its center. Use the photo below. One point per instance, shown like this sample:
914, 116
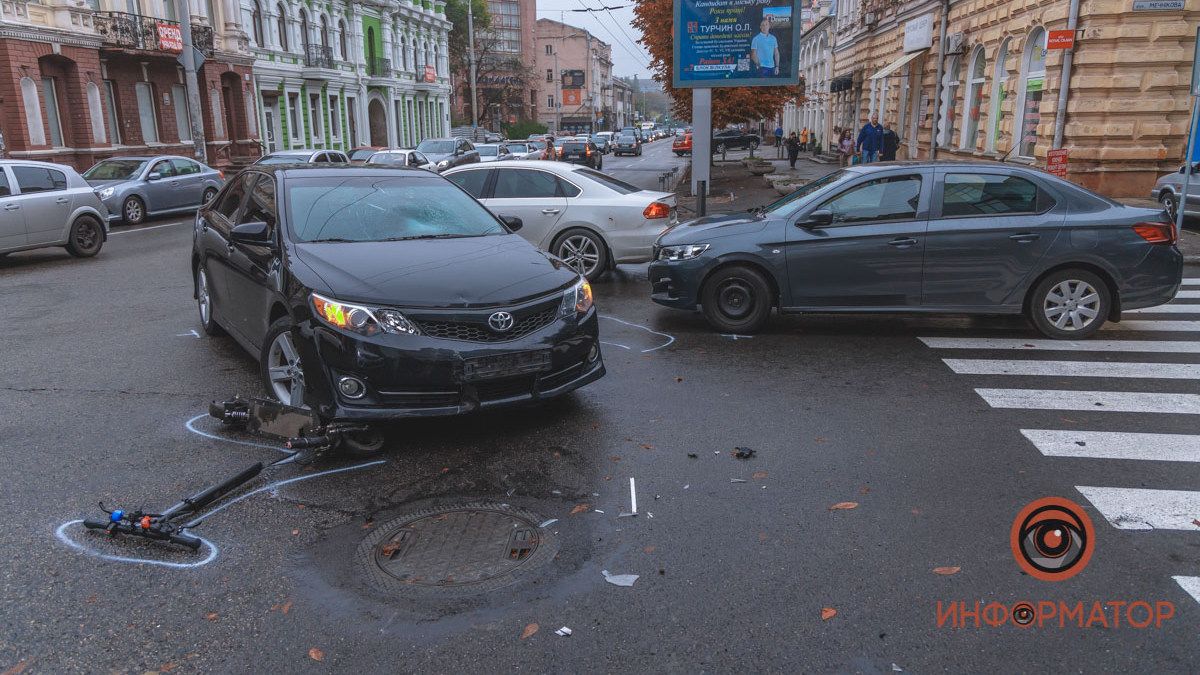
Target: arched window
33, 111
946, 111
1033, 82
283, 27
370, 48
324, 32
973, 101
256, 21
403, 53
999, 91
304, 39
342, 40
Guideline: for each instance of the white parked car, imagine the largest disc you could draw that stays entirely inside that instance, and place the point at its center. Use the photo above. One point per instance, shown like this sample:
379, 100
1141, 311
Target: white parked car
44, 204
393, 158
493, 152
1168, 188
523, 150
587, 218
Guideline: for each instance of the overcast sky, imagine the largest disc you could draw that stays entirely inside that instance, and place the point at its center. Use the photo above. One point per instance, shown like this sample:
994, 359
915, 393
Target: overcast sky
615, 28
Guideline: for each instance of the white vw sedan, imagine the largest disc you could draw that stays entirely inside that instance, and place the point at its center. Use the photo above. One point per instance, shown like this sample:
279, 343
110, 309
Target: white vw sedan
589, 219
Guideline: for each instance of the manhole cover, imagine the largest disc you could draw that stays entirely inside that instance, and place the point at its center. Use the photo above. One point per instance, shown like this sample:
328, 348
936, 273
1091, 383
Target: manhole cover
463, 549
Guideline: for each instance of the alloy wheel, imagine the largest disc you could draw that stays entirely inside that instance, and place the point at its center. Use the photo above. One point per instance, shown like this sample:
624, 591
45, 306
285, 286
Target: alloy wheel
1168, 203
203, 300
133, 210
283, 367
86, 235
581, 253
1071, 305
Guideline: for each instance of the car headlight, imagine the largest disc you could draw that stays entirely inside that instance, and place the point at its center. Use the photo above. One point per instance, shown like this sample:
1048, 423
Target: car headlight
105, 193
684, 252
576, 300
361, 320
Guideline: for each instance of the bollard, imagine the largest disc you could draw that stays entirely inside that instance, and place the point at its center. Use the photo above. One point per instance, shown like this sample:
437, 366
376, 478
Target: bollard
702, 206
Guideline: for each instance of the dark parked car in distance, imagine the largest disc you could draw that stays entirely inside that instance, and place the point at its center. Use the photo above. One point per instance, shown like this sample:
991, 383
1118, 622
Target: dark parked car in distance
928, 237
448, 152
732, 139
377, 293
626, 144
581, 152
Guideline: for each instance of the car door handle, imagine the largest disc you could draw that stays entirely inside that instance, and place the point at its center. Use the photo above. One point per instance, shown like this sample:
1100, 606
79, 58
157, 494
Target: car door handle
11, 207
550, 212
903, 242
1025, 237
61, 200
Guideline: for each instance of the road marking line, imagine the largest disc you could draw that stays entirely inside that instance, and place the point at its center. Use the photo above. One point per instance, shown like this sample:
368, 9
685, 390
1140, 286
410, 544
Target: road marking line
1161, 325
1016, 344
1191, 585
632, 497
1165, 371
1099, 401
144, 229
1187, 294
1144, 509
1166, 309
1115, 445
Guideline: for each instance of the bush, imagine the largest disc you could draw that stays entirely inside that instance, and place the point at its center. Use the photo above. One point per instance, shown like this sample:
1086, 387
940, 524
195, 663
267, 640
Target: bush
524, 129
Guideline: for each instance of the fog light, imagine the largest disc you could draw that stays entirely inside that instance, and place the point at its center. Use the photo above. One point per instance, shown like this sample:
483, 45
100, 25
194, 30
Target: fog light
594, 354
351, 387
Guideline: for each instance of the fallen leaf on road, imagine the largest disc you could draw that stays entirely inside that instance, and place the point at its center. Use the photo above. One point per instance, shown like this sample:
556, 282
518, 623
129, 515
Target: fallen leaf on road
167, 667
316, 654
916, 512
529, 630
368, 525
211, 616
295, 532
842, 506
1196, 522
287, 607
946, 571
759, 475
647, 446
580, 508
649, 549
615, 458
828, 613
864, 490
17, 669
762, 536
389, 549
819, 439
679, 379
91, 599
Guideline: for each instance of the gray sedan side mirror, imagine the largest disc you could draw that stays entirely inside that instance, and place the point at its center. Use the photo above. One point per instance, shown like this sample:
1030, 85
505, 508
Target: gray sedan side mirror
818, 218
153, 175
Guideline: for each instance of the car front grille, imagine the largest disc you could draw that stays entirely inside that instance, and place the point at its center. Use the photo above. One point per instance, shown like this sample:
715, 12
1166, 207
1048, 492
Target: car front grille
470, 331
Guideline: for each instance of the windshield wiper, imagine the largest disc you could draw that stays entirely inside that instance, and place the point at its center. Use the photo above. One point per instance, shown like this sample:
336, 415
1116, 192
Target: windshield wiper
337, 240
430, 236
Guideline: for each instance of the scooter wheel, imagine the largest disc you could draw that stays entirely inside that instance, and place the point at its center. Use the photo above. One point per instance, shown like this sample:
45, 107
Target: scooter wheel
362, 443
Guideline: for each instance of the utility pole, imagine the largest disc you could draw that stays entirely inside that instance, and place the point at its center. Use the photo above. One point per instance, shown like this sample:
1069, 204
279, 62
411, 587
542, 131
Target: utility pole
188, 60
557, 96
471, 62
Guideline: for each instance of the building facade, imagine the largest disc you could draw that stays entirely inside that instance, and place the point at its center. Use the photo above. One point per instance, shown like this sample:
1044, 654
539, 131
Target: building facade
1127, 95
816, 60
348, 74
506, 70
576, 88
622, 110
85, 81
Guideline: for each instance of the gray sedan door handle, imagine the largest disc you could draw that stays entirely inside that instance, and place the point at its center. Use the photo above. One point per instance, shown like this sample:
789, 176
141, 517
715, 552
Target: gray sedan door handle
61, 200
1025, 237
11, 207
550, 212
902, 242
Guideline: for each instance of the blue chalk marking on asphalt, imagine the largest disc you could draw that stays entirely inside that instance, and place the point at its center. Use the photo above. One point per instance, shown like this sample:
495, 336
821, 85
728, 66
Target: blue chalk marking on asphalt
61, 533
670, 338
191, 426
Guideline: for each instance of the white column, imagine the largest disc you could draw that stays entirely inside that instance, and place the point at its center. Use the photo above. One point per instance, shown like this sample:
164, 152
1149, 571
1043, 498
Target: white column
389, 112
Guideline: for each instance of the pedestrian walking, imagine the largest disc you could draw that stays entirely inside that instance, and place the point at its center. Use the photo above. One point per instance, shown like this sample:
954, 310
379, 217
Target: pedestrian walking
891, 143
793, 149
778, 142
870, 140
804, 137
846, 147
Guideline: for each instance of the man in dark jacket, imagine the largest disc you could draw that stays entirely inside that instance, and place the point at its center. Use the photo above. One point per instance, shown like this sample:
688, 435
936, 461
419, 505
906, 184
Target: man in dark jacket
870, 140
891, 143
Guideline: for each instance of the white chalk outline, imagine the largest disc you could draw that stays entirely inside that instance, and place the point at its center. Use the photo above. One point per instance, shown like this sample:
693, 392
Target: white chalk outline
61, 533
190, 425
668, 343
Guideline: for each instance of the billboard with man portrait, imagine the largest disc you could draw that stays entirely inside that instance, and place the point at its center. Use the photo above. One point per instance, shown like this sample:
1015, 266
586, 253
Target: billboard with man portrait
736, 43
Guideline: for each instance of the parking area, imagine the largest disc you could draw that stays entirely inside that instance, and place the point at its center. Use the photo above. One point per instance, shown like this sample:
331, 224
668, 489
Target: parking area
890, 456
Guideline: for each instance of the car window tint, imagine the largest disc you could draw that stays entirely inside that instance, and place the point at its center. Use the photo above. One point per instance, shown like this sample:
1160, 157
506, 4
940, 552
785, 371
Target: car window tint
185, 167
260, 206
567, 190
232, 199
608, 181
32, 179
338, 158
414, 159
4, 189
320, 158
421, 159
976, 194
525, 184
164, 169
891, 198
471, 181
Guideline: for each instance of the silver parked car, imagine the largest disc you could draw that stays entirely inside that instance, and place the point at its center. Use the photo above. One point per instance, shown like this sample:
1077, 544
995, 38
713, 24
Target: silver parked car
393, 158
304, 157
1168, 188
493, 152
44, 204
589, 219
134, 188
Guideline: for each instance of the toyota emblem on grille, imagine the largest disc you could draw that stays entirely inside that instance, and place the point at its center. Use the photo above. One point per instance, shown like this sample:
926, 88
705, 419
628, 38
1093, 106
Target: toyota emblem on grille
500, 321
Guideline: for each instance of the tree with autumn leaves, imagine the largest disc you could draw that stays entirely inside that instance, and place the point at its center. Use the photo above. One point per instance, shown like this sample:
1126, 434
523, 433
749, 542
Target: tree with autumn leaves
654, 18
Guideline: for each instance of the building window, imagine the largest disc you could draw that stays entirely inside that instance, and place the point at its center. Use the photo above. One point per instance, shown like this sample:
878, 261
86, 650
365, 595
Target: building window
110, 102
974, 99
33, 111
946, 111
403, 54
304, 29
257, 21
147, 115
314, 115
999, 92
283, 27
50, 100
183, 121
294, 121
550, 101
342, 40
549, 74
1033, 81
335, 121
549, 50
324, 32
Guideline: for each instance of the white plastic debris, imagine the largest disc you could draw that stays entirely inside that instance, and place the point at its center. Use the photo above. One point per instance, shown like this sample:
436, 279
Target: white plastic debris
548, 523
597, 510
737, 480
687, 486
619, 579
897, 669
563, 632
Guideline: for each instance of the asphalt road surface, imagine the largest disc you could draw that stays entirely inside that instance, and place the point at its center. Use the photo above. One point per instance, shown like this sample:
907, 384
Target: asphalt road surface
939, 430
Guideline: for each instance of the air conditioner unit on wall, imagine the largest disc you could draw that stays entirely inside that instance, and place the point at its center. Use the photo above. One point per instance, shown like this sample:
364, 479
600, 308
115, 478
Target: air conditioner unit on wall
870, 18
956, 43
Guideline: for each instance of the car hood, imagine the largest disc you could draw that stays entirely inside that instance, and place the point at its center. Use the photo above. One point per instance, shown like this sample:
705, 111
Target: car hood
710, 227
106, 183
435, 273
436, 157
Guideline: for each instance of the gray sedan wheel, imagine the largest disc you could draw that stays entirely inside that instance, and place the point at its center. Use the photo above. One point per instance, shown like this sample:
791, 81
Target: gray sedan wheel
1069, 304
208, 196
1168, 203
584, 251
133, 211
283, 374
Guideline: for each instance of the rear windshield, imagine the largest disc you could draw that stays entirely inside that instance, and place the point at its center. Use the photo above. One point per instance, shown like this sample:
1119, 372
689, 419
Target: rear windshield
574, 146
283, 159
626, 139
388, 159
609, 182
517, 147
487, 150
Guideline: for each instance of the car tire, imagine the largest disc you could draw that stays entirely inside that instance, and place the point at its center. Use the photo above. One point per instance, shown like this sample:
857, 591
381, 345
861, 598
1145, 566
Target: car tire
737, 299
86, 237
133, 211
1069, 304
208, 196
753, 145
1169, 204
205, 303
279, 352
600, 165
583, 250
720, 149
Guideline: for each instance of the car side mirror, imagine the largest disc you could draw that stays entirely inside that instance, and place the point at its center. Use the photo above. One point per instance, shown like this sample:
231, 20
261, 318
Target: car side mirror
513, 223
255, 233
818, 218
153, 175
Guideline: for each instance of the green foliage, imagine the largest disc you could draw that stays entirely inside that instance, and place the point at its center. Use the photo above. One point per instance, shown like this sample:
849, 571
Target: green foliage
456, 13
524, 129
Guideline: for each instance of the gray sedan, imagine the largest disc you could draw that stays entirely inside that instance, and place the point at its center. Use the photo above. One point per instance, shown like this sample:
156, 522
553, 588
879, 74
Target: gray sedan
44, 204
928, 237
134, 188
446, 153
1168, 188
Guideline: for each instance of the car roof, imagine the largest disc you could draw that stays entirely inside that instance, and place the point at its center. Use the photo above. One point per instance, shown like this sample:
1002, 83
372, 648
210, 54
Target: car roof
300, 169
933, 164
30, 162
518, 164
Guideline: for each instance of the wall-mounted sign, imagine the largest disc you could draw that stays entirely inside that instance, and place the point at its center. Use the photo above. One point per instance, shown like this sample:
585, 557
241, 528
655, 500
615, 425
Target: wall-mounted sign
736, 43
1158, 5
918, 33
1060, 39
1056, 162
572, 97
572, 79
170, 37
430, 73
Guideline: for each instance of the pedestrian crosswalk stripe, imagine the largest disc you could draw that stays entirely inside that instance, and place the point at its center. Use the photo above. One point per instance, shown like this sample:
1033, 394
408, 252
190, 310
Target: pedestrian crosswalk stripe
1166, 371
1153, 326
1191, 585
1115, 445
1144, 509
1166, 309
1191, 281
1017, 344
1101, 401
1187, 294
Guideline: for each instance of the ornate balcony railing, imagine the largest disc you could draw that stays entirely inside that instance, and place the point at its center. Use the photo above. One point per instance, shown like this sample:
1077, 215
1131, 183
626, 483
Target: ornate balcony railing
149, 33
318, 56
379, 67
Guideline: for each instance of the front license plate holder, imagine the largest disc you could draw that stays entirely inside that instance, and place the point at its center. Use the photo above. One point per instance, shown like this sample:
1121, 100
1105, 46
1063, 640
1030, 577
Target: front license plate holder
505, 365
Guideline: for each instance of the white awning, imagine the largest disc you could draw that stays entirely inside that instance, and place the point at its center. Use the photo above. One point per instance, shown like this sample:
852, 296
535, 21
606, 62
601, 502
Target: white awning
897, 64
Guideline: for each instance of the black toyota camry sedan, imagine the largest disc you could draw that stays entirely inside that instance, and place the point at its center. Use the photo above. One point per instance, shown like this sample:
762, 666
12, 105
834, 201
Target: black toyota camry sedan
373, 294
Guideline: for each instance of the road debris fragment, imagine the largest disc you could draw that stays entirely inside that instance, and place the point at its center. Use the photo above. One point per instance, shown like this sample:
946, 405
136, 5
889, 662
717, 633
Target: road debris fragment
828, 613
563, 632
737, 480
619, 579
843, 506
744, 453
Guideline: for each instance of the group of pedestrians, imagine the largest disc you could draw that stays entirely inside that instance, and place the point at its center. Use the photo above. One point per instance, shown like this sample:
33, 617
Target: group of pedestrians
875, 143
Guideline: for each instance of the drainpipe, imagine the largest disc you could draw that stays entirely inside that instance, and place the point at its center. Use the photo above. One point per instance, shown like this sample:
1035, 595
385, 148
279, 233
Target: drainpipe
1064, 84
937, 84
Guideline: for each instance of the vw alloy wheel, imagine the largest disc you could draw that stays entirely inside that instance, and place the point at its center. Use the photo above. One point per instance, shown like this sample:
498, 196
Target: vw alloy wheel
580, 252
1071, 305
203, 300
283, 367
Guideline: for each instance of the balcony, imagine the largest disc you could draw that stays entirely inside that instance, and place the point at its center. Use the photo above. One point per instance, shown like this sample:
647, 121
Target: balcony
379, 67
148, 33
318, 56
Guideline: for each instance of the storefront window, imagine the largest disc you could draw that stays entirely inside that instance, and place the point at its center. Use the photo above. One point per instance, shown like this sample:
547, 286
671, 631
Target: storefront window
1033, 81
999, 91
974, 99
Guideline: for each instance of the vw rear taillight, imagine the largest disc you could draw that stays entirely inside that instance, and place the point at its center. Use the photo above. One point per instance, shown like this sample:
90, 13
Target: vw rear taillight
1156, 233
657, 210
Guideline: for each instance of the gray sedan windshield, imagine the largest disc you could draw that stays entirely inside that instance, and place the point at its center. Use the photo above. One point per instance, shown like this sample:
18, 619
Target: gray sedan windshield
115, 169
